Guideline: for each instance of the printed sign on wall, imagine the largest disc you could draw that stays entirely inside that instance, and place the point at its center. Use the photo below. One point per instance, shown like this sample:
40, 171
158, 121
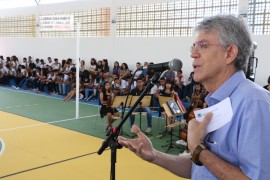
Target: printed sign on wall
57, 23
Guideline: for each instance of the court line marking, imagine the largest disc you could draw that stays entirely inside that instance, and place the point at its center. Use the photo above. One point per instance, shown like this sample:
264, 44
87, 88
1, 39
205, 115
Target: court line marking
46, 165
40, 124
39, 94
21, 106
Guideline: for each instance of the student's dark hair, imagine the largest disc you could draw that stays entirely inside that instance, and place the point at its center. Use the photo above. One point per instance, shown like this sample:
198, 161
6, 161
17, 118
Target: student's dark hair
73, 69
85, 75
169, 82
125, 65
94, 61
104, 90
106, 62
116, 63
63, 62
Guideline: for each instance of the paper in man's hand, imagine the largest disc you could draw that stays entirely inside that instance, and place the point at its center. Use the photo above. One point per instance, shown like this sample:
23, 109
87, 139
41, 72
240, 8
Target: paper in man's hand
222, 114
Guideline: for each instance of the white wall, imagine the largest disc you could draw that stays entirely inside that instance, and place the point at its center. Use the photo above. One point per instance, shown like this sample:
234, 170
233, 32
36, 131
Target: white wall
129, 50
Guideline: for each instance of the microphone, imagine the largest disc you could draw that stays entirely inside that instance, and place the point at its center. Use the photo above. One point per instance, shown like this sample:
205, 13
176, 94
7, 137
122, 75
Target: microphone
175, 65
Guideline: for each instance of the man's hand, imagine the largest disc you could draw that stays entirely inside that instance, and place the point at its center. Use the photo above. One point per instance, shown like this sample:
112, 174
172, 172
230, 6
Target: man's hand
197, 131
141, 146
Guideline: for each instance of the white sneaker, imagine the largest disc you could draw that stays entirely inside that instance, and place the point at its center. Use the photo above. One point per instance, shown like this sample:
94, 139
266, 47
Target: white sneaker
81, 96
148, 130
184, 153
2, 146
89, 98
181, 142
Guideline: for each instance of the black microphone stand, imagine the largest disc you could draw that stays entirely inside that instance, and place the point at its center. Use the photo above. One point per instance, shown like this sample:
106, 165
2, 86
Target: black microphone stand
122, 132
111, 140
140, 113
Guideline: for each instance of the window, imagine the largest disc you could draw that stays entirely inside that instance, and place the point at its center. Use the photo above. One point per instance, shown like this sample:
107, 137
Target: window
259, 17
168, 19
18, 26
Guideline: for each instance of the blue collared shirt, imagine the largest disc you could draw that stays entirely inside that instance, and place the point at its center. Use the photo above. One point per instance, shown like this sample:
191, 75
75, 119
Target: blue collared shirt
244, 141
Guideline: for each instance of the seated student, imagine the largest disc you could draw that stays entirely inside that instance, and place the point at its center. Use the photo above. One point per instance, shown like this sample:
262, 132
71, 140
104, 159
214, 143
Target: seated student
99, 67
116, 68
105, 66
56, 65
20, 77
150, 73
129, 81
167, 92
72, 93
3, 73
93, 66
50, 81
124, 72
120, 86
179, 84
89, 85
145, 71
197, 94
68, 80
189, 88
137, 92
154, 101
138, 73
161, 85
106, 100
169, 75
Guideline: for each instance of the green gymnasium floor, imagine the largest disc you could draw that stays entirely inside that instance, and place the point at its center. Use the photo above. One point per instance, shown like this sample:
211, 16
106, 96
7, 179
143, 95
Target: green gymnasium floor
43, 140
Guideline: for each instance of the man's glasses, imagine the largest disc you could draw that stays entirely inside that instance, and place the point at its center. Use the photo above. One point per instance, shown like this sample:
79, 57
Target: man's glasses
200, 46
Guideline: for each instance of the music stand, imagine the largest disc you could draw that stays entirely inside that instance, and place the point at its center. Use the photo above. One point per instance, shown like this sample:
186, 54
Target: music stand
168, 111
119, 102
162, 100
145, 102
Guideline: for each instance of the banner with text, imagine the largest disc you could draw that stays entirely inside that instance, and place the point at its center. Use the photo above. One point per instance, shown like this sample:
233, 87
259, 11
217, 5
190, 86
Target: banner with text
57, 23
